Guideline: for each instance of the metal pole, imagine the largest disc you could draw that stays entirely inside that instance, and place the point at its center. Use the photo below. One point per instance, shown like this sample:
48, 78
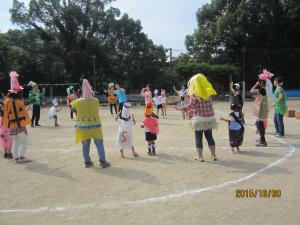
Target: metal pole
244, 72
171, 58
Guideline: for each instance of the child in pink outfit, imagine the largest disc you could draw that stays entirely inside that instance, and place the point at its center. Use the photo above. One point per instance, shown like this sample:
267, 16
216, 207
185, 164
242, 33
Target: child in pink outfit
5, 140
150, 124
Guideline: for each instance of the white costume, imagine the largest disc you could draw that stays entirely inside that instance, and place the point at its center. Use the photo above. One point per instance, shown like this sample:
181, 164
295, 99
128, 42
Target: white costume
52, 111
157, 100
124, 135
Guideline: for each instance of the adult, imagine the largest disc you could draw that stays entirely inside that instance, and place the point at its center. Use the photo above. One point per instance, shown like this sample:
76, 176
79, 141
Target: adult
88, 125
280, 106
121, 94
203, 117
112, 98
182, 93
35, 97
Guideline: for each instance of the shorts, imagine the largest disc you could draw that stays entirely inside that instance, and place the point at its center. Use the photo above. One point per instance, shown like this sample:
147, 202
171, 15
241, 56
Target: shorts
160, 106
150, 136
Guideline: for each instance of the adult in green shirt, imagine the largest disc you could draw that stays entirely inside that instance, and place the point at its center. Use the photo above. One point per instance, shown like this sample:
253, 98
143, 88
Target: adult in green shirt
35, 97
280, 106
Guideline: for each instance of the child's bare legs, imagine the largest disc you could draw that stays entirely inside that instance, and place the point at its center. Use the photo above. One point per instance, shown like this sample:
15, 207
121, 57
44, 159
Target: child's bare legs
122, 153
134, 152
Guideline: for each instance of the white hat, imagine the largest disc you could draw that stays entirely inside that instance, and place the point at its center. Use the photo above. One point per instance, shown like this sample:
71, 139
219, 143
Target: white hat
237, 84
126, 110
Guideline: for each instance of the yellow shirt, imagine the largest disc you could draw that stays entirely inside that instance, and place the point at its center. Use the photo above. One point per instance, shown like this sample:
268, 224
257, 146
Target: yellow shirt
88, 125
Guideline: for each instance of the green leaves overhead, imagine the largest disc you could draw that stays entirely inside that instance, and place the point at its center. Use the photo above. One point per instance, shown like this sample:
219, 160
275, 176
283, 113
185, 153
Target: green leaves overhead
62, 35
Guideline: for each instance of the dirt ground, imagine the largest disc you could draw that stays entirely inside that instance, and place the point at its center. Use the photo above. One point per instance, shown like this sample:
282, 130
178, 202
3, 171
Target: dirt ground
171, 188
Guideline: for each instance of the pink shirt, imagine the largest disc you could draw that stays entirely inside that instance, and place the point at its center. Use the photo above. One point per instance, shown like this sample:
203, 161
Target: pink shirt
151, 124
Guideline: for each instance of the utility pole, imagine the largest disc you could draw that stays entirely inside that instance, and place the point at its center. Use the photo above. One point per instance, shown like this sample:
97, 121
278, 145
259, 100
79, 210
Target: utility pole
94, 70
171, 57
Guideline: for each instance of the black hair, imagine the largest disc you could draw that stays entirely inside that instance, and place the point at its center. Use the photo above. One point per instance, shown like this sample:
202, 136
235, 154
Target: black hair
279, 79
262, 91
18, 95
234, 107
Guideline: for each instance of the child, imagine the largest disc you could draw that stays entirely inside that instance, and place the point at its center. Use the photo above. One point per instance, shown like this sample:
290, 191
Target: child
5, 139
124, 136
52, 114
163, 101
16, 118
262, 115
71, 96
150, 124
158, 102
183, 94
235, 127
112, 98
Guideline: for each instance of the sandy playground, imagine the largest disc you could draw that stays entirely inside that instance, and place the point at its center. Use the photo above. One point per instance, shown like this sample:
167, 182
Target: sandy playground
170, 188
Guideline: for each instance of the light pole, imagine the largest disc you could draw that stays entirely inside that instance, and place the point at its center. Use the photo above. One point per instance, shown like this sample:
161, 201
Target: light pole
244, 50
94, 70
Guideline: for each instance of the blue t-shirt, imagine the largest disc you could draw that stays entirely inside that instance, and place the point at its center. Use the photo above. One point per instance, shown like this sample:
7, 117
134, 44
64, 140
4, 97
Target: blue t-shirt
121, 96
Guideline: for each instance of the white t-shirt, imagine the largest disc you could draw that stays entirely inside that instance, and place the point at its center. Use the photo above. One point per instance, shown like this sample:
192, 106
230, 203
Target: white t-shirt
52, 112
231, 119
157, 100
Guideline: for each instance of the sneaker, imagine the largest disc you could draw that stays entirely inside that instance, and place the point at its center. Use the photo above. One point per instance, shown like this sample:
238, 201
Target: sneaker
199, 159
261, 145
32, 125
38, 125
150, 153
153, 153
214, 158
8, 156
88, 164
104, 164
23, 160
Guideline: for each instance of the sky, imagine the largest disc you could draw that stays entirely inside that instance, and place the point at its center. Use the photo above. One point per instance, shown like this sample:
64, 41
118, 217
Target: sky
166, 22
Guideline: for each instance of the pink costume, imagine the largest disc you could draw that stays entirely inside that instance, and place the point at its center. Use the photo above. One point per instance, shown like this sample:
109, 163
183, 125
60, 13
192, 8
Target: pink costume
5, 139
151, 124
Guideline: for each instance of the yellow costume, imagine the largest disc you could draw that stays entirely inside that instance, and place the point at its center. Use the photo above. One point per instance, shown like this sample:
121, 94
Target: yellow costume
88, 125
201, 87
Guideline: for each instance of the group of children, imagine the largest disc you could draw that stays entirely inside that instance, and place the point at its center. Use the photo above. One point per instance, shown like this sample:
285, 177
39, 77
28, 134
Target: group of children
14, 116
264, 102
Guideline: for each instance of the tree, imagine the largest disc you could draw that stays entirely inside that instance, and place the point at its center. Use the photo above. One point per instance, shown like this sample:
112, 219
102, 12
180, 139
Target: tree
70, 32
269, 30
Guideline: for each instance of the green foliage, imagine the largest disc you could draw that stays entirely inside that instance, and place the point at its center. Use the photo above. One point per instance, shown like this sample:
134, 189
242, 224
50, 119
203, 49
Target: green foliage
269, 29
59, 37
